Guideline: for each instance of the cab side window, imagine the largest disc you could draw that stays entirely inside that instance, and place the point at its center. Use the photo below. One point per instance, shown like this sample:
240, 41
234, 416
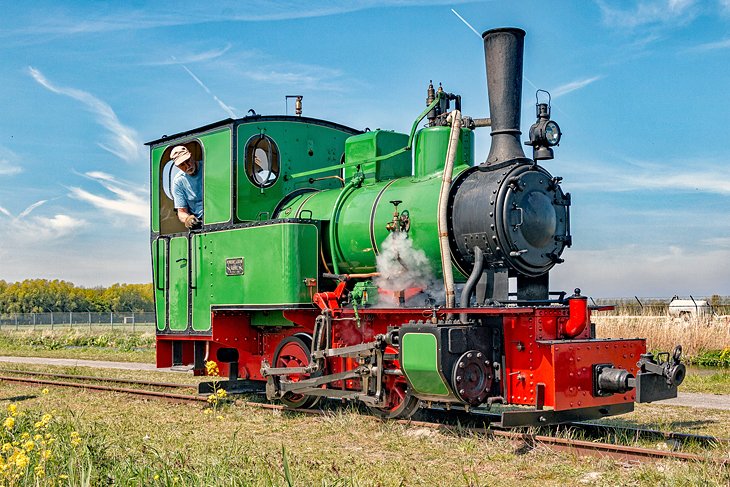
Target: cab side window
169, 222
262, 161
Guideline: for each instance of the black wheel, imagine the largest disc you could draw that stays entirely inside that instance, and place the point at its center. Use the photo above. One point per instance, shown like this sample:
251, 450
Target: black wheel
294, 352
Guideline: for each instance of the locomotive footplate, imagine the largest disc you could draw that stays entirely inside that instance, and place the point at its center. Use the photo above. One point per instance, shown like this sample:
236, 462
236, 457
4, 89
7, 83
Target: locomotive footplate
542, 417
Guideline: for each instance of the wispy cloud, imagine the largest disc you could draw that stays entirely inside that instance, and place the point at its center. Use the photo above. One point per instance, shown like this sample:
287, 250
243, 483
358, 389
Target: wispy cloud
32, 207
56, 226
8, 169
124, 198
301, 76
573, 86
168, 14
710, 46
192, 58
718, 242
632, 175
644, 270
123, 141
39, 228
648, 12
8, 164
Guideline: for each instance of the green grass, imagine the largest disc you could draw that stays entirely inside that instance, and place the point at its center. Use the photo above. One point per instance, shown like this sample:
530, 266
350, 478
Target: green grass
715, 383
113, 346
131, 441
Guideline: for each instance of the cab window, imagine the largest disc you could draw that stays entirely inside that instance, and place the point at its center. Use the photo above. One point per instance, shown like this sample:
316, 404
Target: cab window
262, 161
169, 222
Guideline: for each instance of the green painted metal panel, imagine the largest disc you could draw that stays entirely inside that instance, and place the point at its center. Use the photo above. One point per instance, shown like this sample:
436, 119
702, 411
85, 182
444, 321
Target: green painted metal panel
159, 277
419, 361
217, 176
155, 156
374, 144
178, 286
430, 150
302, 147
359, 213
275, 261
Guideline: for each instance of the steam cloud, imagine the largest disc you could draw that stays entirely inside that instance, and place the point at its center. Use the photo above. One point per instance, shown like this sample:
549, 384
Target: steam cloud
405, 268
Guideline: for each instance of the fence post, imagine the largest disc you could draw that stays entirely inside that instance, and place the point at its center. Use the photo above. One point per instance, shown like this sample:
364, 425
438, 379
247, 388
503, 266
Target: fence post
111, 319
89, 320
70, 319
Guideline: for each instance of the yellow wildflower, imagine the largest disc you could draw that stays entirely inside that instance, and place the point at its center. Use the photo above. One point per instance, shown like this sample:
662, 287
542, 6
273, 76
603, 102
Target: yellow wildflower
47, 436
221, 393
38, 425
219, 417
211, 368
75, 439
46, 454
208, 411
46, 418
45, 391
9, 422
29, 445
21, 460
25, 435
63, 476
12, 409
7, 447
39, 471
37, 437
156, 477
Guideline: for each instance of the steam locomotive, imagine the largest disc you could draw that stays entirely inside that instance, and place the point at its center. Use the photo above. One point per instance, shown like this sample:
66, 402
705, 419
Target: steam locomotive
375, 266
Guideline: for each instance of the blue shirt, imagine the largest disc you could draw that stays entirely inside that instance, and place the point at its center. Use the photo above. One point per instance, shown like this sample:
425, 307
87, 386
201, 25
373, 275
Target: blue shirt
187, 191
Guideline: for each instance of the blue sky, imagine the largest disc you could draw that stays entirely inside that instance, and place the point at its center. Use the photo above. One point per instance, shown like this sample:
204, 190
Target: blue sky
639, 89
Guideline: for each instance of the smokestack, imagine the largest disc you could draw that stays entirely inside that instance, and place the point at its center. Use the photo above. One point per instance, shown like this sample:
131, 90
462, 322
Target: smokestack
503, 49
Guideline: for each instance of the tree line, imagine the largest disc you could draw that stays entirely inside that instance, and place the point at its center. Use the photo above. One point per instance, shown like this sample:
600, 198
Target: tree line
42, 295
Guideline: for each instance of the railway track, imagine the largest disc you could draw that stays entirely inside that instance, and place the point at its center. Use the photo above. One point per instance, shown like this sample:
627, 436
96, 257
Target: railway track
442, 421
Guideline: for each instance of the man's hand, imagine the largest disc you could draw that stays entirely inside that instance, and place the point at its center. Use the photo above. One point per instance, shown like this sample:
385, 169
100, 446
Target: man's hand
192, 222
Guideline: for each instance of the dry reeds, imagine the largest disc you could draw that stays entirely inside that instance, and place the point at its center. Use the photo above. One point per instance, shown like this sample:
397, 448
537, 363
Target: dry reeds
696, 335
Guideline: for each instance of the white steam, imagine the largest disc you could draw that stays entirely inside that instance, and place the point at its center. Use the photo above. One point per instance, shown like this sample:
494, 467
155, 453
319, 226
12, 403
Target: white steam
405, 268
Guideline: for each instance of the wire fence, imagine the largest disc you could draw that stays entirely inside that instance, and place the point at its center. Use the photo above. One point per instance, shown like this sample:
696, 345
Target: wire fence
142, 321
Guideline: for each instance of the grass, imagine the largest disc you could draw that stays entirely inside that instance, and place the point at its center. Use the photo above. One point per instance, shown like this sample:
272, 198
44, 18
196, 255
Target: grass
699, 337
130, 441
80, 344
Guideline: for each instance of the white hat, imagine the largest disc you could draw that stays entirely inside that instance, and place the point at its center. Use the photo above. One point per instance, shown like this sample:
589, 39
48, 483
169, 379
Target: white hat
179, 154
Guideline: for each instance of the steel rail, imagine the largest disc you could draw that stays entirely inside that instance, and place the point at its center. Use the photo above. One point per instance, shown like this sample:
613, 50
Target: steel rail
83, 385
100, 379
577, 447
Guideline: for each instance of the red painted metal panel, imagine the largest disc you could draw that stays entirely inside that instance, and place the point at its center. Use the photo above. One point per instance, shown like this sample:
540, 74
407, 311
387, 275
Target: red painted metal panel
533, 356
